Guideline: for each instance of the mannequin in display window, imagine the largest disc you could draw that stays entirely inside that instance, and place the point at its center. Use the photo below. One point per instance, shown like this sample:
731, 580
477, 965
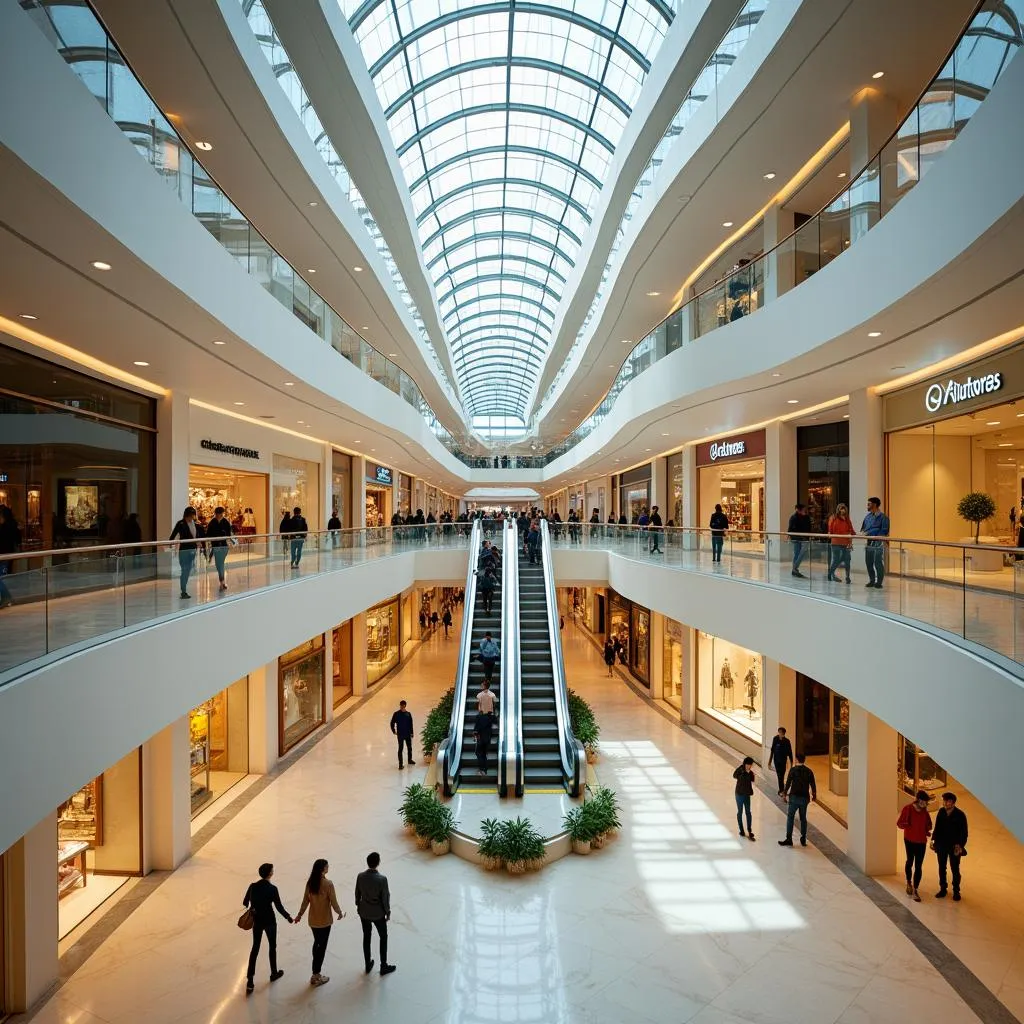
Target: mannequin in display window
726, 681
751, 682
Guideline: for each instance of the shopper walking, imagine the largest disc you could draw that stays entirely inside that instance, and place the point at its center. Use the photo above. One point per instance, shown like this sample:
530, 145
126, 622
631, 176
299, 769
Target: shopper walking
949, 841
297, 530
219, 528
656, 525
190, 534
781, 755
486, 585
533, 541
489, 651
373, 905
916, 825
401, 726
842, 532
719, 524
10, 541
874, 527
321, 899
801, 789
446, 621
262, 898
799, 535
744, 776
334, 525
485, 699
482, 726
609, 656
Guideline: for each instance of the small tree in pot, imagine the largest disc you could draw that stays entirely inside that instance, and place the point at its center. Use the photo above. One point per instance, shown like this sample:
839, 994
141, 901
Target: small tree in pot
976, 507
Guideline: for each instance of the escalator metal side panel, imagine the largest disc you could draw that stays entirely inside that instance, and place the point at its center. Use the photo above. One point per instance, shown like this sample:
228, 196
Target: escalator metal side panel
510, 720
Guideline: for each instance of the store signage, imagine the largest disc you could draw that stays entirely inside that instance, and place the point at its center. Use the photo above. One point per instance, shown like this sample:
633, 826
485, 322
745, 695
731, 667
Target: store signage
3, 478
378, 474
229, 449
727, 449
938, 396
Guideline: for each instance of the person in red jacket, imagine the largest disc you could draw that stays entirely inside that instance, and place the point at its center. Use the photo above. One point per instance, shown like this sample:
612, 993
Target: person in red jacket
916, 824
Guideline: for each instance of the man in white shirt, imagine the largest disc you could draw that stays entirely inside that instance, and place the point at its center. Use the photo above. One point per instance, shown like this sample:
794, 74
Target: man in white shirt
485, 699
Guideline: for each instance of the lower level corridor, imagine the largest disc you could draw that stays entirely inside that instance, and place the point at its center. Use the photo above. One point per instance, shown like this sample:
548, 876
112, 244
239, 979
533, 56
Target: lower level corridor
676, 920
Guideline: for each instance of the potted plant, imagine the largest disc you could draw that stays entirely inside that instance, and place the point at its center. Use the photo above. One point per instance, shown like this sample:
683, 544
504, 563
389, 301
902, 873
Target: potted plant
583, 724
438, 720
579, 824
440, 825
519, 843
489, 846
976, 507
414, 799
604, 811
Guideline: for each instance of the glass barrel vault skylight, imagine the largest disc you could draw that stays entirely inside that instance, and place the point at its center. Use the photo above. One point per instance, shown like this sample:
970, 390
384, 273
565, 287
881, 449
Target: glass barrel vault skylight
505, 116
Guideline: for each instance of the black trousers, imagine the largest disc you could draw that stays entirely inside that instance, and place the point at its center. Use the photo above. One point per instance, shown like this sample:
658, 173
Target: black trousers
487, 597
382, 932
488, 669
320, 937
915, 861
258, 930
780, 771
943, 856
407, 741
483, 744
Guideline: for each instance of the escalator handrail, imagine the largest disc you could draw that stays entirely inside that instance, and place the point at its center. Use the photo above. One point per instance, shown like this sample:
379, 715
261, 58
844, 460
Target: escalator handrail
510, 720
449, 754
573, 755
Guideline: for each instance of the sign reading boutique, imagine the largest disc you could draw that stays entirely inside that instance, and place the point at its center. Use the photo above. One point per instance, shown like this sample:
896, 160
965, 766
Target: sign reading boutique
732, 449
1000, 378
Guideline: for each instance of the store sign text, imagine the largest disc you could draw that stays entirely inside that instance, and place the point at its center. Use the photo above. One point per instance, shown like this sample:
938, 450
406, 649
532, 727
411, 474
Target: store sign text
956, 391
229, 449
727, 449
383, 475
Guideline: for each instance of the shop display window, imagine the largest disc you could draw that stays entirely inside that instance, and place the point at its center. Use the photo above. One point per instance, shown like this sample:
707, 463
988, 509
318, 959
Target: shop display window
731, 685
296, 482
675, 489
640, 655
342, 663
199, 756
823, 470
918, 770
618, 625
301, 692
672, 664
243, 496
739, 488
218, 744
341, 487
80, 818
383, 650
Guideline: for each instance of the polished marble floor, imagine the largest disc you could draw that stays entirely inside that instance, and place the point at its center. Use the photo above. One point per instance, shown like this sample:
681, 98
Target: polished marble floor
677, 920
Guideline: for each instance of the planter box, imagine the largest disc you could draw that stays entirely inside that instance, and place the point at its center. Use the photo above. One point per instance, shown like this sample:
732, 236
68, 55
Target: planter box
581, 846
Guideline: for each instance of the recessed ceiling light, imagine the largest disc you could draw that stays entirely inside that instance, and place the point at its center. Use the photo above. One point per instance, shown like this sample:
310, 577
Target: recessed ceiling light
792, 401
289, 383
846, 416
653, 295
358, 270
365, 328
204, 146
664, 435
1006, 444
992, 423
1020, 415
392, 355
874, 334
311, 270
299, 421
776, 374
878, 74
100, 265
220, 343
27, 316
313, 202
899, 366
726, 223
141, 362
841, 174
239, 403
770, 176
647, 449
626, 341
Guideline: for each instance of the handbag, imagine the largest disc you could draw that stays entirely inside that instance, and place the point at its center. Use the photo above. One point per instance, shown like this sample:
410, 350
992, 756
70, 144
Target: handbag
247, 920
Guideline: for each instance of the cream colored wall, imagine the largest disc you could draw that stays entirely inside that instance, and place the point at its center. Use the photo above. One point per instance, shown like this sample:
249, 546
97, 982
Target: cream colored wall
952, 482
926, 479
122, 806
238, 725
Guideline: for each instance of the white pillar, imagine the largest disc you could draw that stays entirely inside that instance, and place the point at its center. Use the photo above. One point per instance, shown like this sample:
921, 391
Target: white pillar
358, 491
779, 704
326, 485
691, 506
329, 675
872, 809
688, 711
264, 742
172, 460
873, 118
867, 452
780, 475
166, 796
657, 641
31, 926
780, 266
359, 684
659, 487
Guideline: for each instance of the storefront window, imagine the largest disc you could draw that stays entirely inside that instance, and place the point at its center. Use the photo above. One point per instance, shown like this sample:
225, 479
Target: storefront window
618, 625
405, 494
341, 487
672, 664
218, 744
731, 684
383, 650
342, 663
296, 483
635, 492
301, 692
243, 497
823, 470
823, 737
675, 489
640, 656
731, 474
77, 457
919, 770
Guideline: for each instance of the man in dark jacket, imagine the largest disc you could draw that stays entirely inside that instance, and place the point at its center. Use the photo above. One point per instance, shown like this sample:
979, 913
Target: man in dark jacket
373, 905
401, 726
801, 789
656, 524
781, 756
744, 776
485, 584
482, 726
719, 523
949, 841
296, 529
262, 897
799, 530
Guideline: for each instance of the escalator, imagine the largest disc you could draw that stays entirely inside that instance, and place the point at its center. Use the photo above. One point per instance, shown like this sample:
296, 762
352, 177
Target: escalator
553, 758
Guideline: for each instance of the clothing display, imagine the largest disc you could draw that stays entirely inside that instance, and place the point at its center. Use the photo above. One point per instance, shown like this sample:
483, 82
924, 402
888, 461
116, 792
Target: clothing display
729, 684
751, 682
726, 682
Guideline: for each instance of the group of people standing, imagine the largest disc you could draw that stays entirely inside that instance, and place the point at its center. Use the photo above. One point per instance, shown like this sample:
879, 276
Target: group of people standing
841, 532
373, 907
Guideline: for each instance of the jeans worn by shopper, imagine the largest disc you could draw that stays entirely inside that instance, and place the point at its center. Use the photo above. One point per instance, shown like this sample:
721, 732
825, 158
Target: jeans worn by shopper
797, 805
874, 560
799, 553
839, 558
220, 556
296, 550
716, 548
743, 806
186, 562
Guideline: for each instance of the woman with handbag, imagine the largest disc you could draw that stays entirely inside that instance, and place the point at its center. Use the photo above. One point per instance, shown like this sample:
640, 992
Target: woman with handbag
321, 900
261, 898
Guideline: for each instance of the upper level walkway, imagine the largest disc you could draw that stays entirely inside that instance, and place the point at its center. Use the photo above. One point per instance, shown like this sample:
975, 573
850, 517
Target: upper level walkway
75, 597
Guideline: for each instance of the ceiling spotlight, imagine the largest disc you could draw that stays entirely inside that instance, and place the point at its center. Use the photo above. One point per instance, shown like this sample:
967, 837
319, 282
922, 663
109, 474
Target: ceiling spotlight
653, 295
141, 362
992, 423
1006, 444
27, 316
392, 355
204, 146
726, 223
313, 202
289, 383
878, 74
647, 449
841, 174
664, 435
365, 327
770, 176
626, 341
311, 270
220, 343
776, 374
239, 403
100, 265
874, 334
792, 401
846, 416
358, 270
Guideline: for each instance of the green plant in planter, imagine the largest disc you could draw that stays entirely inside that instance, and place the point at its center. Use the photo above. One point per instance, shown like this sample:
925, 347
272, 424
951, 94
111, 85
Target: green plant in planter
604, 811
438, 822
581, 823
582, 721
976, 507
489, 845
518, 844
415, 801
435, 728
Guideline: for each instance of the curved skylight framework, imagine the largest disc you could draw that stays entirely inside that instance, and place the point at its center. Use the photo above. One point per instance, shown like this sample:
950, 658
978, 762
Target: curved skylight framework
505, 115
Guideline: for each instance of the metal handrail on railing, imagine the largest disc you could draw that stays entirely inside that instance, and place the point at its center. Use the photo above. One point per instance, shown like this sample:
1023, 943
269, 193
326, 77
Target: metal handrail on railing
449, 753
571, 750
511, 766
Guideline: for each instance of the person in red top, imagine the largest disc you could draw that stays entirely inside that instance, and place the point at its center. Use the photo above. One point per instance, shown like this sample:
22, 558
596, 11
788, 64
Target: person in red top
841, 530
916, 824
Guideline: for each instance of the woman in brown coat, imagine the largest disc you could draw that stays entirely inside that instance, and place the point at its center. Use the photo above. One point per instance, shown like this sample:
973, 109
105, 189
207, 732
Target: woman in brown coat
320, 898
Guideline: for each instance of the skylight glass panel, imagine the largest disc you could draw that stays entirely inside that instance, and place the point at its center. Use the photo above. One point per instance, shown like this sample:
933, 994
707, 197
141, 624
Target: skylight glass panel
505, 118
